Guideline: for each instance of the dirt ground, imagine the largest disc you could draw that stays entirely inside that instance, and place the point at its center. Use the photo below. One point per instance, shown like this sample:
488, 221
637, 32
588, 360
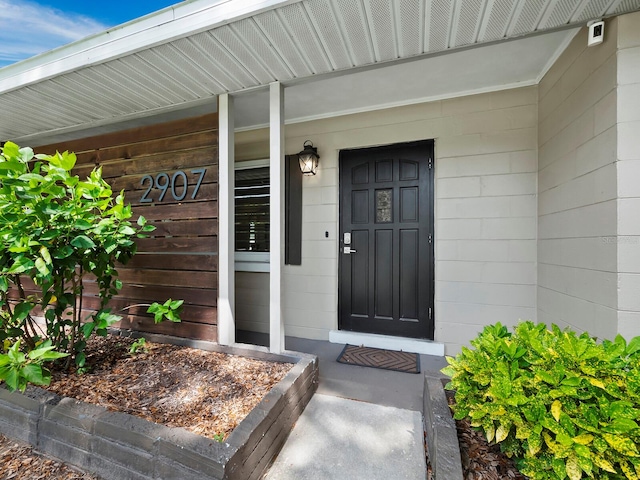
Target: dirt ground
207, 393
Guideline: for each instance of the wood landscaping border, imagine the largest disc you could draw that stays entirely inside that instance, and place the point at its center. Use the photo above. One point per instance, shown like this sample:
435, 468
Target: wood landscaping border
117, 445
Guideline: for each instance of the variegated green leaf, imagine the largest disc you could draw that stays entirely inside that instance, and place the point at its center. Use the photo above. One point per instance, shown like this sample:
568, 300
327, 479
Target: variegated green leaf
449, 371
628, 471
559, 451
547, 377
490, 432
582, 451
502, 432
477, 414
586, 465
622, 444
580, 422
523, 431
534, 444
622, 425
556, 409
559, 467
574, 472
583, 439
603, 463
564, 439
497, 410
550, 424
633, 346
600, 444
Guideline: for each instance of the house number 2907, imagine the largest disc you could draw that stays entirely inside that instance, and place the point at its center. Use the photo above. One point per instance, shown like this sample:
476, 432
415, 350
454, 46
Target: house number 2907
177, 183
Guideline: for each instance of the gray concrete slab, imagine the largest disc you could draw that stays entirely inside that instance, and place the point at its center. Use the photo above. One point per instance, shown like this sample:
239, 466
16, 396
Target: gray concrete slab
363, 423
381, 387
337, 438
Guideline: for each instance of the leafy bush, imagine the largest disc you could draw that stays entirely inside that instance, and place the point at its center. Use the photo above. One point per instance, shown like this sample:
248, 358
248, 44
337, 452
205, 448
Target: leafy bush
16, 368
56, 229
169, 310
562, 404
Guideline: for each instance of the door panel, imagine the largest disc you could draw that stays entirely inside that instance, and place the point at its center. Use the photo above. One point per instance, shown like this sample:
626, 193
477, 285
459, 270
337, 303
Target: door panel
360, 206
409, 210
384, 171
386, 272
360, 174
409, 275
360, 272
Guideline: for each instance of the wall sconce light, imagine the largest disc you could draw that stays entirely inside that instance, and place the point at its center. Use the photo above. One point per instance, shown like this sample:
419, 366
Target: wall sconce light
308, 159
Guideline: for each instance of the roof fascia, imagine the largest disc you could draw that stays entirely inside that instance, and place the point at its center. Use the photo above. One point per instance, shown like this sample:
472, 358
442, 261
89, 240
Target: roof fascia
171, 23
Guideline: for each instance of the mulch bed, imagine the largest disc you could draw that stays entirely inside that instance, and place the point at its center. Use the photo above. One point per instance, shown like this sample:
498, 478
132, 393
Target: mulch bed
480, 460
20, 462
207, 393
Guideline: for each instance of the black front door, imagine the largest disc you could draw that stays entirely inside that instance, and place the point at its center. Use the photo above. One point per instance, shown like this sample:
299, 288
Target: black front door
386, 240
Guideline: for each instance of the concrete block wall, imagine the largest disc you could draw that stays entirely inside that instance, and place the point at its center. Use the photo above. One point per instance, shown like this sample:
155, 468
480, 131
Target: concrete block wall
486, 181
577, 188
628, 117
486, 214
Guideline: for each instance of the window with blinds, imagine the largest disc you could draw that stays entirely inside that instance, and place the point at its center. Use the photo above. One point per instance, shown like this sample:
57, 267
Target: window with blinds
252, 209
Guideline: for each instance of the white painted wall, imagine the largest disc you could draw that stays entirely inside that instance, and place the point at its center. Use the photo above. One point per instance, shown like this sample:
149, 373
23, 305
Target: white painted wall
486, 164
589, 194
628, 115
577, 185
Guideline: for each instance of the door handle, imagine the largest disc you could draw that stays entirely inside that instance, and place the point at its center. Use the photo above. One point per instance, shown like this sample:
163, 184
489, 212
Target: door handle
348, 250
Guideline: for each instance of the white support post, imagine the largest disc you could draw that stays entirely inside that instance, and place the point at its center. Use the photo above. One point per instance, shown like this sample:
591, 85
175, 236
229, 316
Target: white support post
226, 220
276, 219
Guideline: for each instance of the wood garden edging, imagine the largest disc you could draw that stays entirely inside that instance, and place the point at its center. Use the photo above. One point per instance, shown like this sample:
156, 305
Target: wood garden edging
117, 445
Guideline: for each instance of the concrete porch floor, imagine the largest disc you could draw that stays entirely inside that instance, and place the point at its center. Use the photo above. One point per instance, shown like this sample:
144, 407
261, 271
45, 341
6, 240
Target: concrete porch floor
363, 423
371, 385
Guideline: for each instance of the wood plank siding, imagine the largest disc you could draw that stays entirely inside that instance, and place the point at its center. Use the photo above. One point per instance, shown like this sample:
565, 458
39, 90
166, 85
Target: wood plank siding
180, 258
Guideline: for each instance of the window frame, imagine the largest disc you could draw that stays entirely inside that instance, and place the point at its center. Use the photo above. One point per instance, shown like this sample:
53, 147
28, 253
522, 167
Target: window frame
251, 261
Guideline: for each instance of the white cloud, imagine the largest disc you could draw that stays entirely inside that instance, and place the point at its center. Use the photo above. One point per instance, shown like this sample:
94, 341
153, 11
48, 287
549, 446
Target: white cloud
27, 29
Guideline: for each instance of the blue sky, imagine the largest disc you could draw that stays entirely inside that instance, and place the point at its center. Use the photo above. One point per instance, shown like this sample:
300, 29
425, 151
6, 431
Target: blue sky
28, 28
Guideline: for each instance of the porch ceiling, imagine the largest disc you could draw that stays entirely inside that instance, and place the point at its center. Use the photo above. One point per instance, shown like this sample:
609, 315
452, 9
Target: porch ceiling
177, 60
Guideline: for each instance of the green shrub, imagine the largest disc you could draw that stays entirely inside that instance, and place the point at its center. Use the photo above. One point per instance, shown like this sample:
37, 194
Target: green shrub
16, 368
56, 229
561, 404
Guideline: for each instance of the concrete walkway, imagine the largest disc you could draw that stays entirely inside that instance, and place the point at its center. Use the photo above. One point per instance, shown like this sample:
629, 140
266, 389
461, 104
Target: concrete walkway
363, 423
337, 438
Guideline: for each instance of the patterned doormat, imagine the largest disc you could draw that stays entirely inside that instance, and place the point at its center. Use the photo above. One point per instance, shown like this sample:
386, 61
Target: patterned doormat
378, 358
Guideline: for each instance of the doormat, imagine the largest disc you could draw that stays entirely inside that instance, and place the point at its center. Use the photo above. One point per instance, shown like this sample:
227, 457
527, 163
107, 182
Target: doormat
378, 358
